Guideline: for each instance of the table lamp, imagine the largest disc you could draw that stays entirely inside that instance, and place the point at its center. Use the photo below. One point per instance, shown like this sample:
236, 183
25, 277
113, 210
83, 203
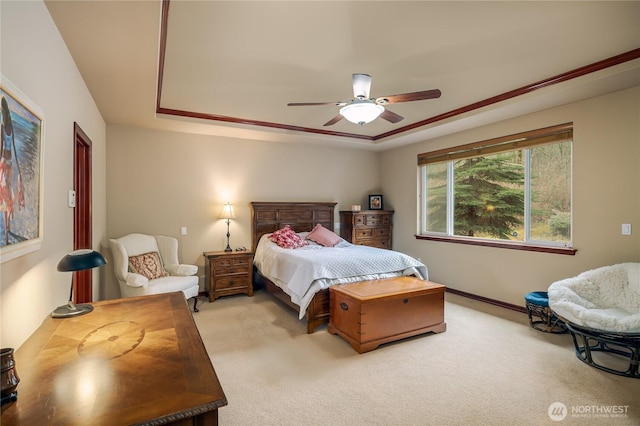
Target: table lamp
77, 260
228, 214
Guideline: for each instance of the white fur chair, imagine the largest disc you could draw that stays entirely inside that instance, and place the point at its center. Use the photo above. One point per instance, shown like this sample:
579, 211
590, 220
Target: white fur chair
606, 298
601, 309
148, 264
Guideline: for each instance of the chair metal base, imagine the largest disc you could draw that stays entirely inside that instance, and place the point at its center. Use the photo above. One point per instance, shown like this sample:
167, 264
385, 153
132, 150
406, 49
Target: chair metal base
624, 347
547, 320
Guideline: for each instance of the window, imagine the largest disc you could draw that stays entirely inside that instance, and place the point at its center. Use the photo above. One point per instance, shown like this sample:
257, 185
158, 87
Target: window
515, 190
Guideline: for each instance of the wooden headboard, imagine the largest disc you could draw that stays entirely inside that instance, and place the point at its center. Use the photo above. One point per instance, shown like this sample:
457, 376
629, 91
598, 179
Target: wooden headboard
267, 217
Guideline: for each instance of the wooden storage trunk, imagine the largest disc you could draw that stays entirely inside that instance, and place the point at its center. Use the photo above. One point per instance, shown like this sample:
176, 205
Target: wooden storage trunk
369, 313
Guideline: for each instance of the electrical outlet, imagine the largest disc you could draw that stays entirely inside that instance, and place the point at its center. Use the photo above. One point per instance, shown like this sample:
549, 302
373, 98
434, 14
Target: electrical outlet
183, 230
626, 229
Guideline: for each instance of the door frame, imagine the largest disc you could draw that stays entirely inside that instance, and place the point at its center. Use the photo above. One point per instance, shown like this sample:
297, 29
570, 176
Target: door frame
82, 218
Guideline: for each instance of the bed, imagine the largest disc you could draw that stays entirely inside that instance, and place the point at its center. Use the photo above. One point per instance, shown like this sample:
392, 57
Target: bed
268, 217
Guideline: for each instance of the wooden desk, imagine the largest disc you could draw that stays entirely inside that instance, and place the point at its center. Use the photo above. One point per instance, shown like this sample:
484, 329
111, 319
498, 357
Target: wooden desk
137, 360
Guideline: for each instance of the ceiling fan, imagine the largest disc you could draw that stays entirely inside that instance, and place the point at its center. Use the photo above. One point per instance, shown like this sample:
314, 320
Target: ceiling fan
362, 109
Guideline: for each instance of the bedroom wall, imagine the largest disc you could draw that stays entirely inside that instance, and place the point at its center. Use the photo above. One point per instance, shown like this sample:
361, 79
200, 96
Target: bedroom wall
159, 181
606, 193
35, 59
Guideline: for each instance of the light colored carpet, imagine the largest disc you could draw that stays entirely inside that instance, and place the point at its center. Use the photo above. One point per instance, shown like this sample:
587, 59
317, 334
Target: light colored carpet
488, 368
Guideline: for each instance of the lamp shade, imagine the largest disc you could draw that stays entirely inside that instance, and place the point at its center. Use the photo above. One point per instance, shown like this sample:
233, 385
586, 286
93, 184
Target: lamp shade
361, 112
227, 212
80, 260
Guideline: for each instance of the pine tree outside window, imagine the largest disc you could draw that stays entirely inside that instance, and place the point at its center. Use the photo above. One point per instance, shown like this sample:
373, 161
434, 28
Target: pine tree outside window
515, 189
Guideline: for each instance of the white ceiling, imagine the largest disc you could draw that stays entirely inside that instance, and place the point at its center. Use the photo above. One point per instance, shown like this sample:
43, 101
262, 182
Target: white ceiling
247, 60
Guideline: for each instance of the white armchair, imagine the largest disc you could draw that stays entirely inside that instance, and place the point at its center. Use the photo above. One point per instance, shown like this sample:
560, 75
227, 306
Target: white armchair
148, 264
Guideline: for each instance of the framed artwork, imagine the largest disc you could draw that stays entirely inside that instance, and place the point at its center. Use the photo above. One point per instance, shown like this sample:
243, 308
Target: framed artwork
375, 202
21, 170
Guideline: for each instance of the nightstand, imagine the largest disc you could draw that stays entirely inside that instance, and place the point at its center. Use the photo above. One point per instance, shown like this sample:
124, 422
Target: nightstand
228, 273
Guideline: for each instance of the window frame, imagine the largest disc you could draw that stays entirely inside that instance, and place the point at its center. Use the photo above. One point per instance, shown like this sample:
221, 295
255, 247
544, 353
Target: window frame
519, 141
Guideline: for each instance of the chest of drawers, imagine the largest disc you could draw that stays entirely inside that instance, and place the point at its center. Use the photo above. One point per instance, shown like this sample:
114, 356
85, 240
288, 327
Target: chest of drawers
367, 227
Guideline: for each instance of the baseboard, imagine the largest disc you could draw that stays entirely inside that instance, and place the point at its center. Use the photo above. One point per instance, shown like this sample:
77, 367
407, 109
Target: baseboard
259, 285
488, 300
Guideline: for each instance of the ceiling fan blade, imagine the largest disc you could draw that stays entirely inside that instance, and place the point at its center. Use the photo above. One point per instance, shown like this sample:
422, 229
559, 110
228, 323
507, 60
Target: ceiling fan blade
334, 120
316, 103
361, 86
390, 116
409, 97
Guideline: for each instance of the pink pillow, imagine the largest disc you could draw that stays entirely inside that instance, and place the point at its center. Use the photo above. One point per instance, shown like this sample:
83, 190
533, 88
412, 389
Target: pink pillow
323, 236
287, 238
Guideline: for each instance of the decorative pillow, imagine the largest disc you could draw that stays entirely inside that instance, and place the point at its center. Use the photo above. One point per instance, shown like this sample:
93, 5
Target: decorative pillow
287, 238
148, 265
323, 236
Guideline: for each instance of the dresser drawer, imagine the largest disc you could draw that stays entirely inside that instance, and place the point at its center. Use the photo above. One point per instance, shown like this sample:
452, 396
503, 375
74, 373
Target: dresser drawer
384, 243
372, 219
363, 233
372, 232
377, 219
381, 232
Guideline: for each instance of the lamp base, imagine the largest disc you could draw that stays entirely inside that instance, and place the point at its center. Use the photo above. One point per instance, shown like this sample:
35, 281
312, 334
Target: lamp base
71, 310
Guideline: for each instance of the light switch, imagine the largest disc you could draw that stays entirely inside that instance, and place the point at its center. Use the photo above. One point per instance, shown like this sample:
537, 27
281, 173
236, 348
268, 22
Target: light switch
626, 229
183, 230
71, 198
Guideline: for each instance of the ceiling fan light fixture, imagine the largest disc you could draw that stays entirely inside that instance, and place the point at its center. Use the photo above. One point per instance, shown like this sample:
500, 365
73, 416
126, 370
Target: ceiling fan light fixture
361, 112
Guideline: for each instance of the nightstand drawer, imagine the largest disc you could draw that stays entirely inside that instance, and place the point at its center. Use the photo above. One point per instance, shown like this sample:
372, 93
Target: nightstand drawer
230, 262
241, 281
218, 271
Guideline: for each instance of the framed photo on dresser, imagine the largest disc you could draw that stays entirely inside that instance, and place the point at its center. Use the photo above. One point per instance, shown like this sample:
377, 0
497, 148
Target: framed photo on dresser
375, 202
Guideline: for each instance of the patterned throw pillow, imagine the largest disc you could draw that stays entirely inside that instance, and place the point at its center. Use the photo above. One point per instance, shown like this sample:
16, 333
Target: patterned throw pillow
323, 236
287, 238
148, 265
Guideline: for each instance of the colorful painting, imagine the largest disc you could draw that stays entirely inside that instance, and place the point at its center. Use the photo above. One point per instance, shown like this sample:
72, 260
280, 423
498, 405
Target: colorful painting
375, 202
21, 158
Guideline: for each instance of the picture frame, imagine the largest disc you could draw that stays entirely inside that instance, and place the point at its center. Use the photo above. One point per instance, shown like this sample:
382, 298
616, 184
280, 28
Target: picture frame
21, 173
375, 202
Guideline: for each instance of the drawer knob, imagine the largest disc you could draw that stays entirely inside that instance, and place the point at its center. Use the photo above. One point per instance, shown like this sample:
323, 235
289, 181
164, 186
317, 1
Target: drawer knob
344, 306
232, 282
405, 301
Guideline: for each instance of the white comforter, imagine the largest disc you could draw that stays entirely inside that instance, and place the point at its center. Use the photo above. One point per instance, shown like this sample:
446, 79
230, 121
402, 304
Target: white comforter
302, 272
